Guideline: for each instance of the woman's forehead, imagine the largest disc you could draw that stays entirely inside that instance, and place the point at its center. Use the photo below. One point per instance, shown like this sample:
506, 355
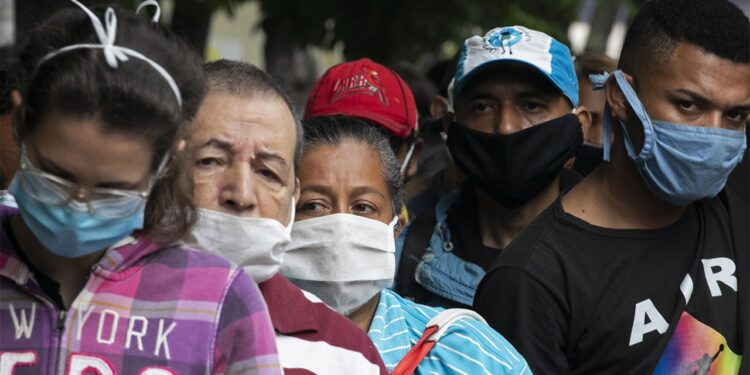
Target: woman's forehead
83, 149
347, 163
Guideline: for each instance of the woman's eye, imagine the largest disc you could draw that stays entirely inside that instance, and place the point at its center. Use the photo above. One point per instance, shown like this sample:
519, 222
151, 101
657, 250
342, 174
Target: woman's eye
364, 208
312, 207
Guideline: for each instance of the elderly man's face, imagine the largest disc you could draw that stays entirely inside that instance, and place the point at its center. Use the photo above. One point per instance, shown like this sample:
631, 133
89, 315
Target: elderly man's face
242, 153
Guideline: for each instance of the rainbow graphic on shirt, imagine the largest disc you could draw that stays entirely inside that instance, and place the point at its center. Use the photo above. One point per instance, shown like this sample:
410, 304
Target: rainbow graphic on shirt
697, 349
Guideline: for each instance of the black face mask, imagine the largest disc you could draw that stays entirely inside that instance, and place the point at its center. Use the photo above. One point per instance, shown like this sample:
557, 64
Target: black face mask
589, 157
514, 168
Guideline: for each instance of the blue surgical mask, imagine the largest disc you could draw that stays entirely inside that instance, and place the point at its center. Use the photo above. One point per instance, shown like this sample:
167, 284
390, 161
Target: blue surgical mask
70, 230
680, 163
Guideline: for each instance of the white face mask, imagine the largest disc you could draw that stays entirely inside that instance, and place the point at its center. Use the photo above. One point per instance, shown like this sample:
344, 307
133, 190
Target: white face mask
343, 259
256, 244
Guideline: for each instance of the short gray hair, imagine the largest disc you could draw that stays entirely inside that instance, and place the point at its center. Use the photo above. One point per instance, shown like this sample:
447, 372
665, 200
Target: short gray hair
334, 130
247, 80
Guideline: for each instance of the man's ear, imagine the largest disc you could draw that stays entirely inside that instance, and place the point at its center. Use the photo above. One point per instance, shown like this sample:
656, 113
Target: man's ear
15, 98
180, 145
438, 106
615, 97
584, 117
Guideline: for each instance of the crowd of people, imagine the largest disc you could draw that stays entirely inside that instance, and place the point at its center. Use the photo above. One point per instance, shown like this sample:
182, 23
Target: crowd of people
535, 213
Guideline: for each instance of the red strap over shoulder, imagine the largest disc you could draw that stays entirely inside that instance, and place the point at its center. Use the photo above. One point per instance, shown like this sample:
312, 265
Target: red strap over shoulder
416, 354
435, 329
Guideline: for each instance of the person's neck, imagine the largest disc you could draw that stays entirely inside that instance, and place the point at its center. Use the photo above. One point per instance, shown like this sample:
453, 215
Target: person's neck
499, 225
70, 273
615, 196
363, 316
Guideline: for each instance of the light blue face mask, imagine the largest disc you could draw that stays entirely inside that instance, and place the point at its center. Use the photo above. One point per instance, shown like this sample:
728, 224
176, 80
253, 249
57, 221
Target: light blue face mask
70, 230
681, 164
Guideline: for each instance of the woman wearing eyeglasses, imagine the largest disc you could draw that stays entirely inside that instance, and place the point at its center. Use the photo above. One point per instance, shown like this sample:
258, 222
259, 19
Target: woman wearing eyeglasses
92, 276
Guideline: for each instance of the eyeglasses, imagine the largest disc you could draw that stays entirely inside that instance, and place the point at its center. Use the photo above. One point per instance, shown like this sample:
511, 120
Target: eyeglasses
53, 190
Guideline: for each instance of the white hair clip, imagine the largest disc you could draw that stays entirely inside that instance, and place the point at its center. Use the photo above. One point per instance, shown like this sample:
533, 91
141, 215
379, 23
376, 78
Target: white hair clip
153, 3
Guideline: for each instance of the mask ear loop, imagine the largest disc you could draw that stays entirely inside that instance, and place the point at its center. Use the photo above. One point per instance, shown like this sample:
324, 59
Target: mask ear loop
393, 223
640, 111
408, 157
598, 82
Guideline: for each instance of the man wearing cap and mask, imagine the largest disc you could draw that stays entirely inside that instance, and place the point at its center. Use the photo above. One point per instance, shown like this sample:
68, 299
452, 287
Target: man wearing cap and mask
517, 122
244, 146
642, 268
369, 91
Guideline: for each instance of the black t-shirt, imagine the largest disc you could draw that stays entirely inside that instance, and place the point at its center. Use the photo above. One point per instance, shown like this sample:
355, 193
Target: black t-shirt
739, 180
575, 298
464, 227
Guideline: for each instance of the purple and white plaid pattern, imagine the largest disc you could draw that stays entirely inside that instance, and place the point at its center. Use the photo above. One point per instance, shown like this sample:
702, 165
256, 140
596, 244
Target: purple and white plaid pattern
144, 310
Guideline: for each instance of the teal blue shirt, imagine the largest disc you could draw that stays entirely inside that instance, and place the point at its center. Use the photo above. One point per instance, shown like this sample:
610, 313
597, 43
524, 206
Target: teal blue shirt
468, 346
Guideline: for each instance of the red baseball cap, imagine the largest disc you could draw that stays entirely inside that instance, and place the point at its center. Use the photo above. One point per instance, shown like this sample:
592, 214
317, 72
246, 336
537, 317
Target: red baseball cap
366, 90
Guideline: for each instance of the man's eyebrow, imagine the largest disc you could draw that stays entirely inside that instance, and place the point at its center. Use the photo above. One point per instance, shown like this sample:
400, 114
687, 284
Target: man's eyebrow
479, 94
218, 143
742, 108
700, 99
538, 93
696, 97
271, 156
527, 91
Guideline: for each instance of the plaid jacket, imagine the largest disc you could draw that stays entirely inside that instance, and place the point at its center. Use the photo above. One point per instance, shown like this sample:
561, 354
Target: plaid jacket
145, 310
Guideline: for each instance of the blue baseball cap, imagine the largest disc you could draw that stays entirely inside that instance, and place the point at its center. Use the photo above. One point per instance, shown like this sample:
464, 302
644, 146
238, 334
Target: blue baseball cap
517, 44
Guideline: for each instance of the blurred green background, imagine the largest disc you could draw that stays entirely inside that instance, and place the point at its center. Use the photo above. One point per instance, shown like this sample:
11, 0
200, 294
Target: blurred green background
297, 40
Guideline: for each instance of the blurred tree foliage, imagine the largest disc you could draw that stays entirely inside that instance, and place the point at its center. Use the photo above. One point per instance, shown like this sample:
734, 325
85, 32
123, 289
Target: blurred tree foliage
388, 31
385, 30
396, 30
416, 32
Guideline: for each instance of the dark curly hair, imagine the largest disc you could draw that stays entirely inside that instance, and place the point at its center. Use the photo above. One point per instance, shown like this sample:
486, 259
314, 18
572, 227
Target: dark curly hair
716, 26
132, 99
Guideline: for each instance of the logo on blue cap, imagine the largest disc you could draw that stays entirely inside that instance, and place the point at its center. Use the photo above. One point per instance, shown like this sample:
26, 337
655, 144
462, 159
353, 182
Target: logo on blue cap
518, 44
505, 37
